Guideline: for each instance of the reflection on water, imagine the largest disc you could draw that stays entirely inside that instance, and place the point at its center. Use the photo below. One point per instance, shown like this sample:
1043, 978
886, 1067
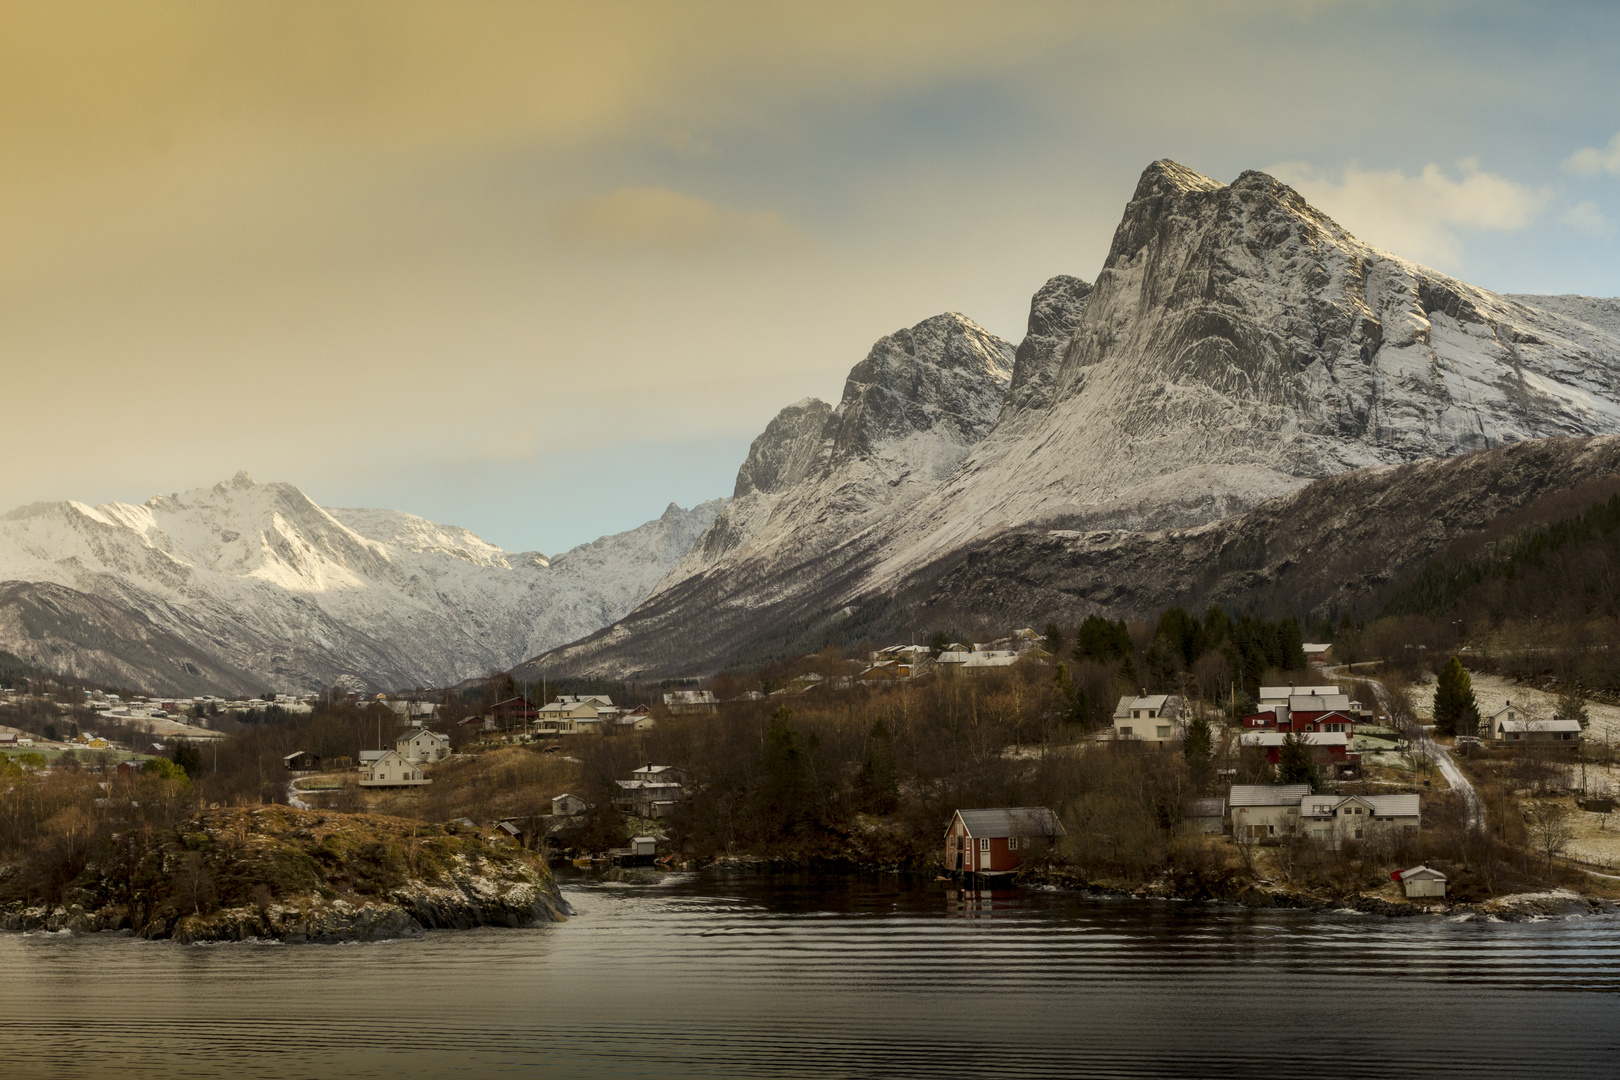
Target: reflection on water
841, 977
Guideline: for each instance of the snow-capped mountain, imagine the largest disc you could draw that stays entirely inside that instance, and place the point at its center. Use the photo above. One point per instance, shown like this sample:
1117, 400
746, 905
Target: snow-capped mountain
297, 596
820, 484
1236, 345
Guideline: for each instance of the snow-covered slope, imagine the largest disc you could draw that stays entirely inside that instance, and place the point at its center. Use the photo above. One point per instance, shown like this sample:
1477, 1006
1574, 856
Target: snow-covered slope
818, 478
299, 596
1237, 344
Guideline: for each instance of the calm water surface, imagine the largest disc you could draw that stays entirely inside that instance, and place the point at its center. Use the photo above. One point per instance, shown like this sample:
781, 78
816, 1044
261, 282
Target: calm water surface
699, 977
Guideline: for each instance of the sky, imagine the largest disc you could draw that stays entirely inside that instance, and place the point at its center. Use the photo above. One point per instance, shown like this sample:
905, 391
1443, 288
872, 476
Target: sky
540, 269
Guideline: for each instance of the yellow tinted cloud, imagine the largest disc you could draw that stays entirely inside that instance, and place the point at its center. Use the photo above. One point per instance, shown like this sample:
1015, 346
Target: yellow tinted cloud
633, 218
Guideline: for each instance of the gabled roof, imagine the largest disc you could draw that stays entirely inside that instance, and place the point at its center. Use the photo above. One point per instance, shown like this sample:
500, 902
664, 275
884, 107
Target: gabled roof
1010, 821
1422, 872
1268, 794
1281, 693
1541, 725
1311, 738
373, 755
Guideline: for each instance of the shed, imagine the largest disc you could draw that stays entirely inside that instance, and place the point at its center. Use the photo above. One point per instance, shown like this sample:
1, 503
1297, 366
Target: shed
996, 841
1421, 881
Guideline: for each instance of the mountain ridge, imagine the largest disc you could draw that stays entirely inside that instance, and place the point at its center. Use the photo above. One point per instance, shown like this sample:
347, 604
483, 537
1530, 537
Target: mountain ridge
1236, 346
271, 588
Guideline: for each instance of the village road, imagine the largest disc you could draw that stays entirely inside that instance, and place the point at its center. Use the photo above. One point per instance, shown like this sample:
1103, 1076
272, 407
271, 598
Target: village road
1473, 805
292, 794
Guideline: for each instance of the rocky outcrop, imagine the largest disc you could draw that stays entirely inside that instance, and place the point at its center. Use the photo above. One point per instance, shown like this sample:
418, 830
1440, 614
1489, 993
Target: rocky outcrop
245, 586
296, 876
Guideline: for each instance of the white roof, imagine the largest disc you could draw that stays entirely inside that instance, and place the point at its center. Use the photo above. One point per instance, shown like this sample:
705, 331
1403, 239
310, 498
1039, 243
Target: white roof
1268, 794
373, 755
1150, 701
1381, 805
1426, 872
1318, 702
1283, 693
1312, 738
1541, 725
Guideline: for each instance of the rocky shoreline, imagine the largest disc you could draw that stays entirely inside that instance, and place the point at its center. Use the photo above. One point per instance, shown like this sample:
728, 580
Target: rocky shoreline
278, 874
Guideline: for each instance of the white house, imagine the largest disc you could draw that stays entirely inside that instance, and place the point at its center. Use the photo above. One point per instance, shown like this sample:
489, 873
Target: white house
421, 746
1512, 724
566, 805
1336, 818
1153, 718
391, 770
1260, 811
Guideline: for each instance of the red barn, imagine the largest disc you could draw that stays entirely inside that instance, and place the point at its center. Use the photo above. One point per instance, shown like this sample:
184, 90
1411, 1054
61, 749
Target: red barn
997, 841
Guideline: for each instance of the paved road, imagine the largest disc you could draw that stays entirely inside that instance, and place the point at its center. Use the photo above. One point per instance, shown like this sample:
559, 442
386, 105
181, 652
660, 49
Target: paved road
1473, 805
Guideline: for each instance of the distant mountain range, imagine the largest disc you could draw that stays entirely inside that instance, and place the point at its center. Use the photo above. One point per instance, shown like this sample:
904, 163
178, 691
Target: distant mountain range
1249, 406
1237, 346
245, 586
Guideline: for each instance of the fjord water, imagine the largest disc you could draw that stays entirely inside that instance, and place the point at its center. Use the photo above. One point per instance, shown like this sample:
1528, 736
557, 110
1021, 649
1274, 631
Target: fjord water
840, 977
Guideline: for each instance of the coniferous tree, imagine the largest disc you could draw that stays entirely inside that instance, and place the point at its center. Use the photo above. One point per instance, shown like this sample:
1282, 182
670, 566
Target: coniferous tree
1294, 762
1455, 711
1075, 704
1198, 745
877, 785
188, 757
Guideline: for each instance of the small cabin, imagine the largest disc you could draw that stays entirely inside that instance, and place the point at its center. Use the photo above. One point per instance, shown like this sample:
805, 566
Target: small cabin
997, 841
566, 805
1421, 882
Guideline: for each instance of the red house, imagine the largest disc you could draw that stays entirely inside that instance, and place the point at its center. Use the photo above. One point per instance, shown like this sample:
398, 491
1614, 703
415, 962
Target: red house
997, 841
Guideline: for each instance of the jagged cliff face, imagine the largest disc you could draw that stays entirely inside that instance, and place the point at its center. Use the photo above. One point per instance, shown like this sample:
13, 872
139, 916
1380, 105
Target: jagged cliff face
1236, 345
252, 586
819, 477
1239, 343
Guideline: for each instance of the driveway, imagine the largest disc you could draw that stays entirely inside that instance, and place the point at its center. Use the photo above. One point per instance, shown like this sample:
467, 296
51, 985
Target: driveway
1473, 805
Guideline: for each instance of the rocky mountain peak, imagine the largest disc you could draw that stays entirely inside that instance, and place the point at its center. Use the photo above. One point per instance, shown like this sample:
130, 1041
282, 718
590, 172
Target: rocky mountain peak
946, 375
786, 451
1054, 315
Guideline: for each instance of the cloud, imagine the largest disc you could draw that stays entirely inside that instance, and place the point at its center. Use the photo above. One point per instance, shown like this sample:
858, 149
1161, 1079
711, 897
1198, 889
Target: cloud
657, 219
1587, 218
1590, 160
1418, 217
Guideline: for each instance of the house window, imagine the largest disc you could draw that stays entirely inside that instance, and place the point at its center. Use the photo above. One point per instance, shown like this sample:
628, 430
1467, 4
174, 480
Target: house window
1012, 843
984, 844
1164, 731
